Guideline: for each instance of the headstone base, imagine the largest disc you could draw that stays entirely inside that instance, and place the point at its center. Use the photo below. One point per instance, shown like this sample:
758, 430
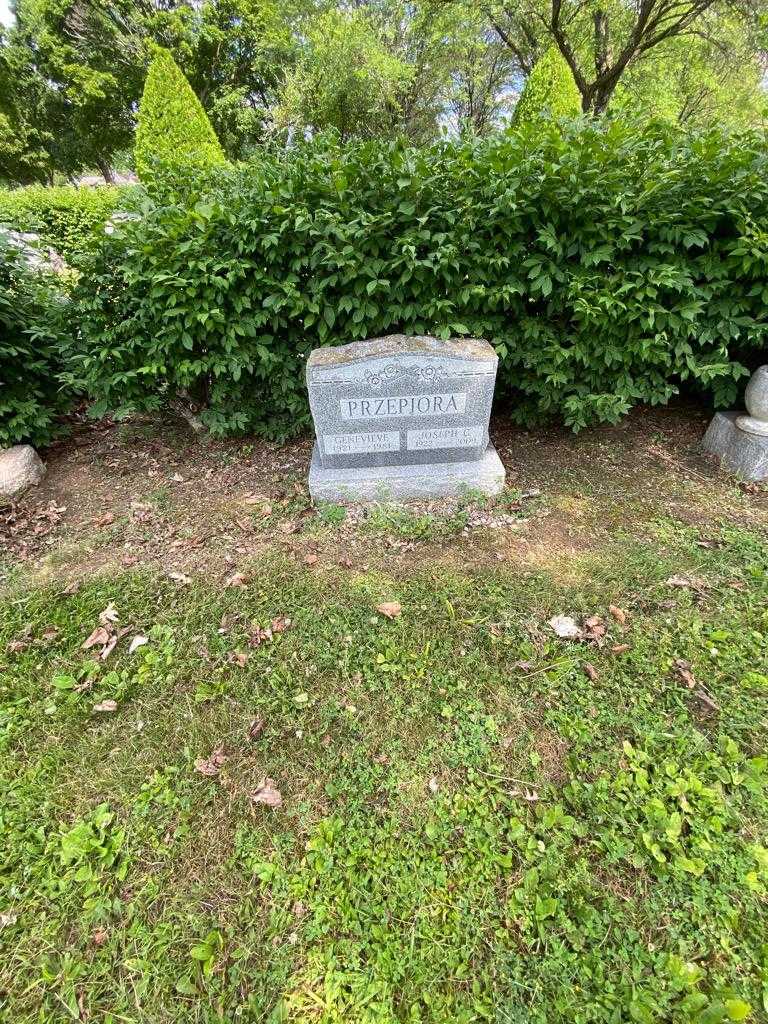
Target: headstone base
401, 483
740, 452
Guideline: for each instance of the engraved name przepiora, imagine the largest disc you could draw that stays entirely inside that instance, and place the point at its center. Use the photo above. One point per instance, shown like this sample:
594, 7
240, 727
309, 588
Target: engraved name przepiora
453, 404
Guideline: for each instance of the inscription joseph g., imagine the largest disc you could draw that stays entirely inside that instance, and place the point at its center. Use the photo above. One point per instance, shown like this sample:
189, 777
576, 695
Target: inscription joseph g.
445, 437
403, 405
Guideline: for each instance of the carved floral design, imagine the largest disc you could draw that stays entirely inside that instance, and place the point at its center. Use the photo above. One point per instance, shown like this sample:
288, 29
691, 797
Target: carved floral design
395, 371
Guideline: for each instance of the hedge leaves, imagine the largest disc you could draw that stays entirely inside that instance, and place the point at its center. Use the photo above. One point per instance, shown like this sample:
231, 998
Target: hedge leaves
607, 266
33, 349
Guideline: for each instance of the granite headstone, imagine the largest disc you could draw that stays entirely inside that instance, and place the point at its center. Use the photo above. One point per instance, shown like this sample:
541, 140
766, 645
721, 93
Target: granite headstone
402, 417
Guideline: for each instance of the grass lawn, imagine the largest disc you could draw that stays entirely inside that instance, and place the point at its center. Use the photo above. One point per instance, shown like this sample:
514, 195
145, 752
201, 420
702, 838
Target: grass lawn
289, 805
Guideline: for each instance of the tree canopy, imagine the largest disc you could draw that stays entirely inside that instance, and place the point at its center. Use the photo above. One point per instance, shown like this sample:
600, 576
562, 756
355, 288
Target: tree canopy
72, 71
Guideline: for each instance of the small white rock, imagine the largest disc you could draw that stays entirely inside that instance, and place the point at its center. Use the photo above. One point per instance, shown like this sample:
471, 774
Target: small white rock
565, 627
20, 468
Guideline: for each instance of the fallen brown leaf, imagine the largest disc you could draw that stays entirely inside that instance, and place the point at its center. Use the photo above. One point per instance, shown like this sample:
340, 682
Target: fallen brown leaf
105, 706
137, 642
267, 794
618, 613
109, 646
211, 766
590, 671
620, 648
256, 728
526, 794
683, 669
257, 636
109, 615
595, 628
389, 608
100, 635
684, 581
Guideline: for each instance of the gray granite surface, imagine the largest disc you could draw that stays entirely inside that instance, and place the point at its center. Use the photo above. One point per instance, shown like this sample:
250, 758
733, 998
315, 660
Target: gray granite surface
406, 482
740, 452
401, 401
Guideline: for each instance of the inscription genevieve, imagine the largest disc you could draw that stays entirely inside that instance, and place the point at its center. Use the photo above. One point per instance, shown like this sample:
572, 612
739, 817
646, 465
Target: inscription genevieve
349, 444
402, 405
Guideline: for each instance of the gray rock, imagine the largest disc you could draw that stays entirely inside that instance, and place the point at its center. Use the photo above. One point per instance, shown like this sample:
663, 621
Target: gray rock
741, 452
33, 251
20, 468
399, 402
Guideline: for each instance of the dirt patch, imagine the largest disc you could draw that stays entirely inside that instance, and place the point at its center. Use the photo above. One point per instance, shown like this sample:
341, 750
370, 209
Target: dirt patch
553, 750
150, 493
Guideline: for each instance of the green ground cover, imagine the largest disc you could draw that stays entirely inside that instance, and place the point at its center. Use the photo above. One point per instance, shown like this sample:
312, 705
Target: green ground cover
480, 821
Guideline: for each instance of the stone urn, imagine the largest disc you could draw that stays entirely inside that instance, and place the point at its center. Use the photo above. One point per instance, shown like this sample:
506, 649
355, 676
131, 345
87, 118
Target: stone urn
756, 401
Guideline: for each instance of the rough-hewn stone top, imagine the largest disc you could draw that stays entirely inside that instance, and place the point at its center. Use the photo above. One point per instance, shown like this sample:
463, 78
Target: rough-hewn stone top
403, 344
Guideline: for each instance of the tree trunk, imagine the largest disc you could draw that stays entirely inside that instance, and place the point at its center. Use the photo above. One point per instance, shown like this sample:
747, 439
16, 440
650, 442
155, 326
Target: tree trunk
599, 96
106, 170
602, 44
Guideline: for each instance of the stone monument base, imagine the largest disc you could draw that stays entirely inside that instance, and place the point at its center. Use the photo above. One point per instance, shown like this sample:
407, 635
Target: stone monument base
401, 483
741, 452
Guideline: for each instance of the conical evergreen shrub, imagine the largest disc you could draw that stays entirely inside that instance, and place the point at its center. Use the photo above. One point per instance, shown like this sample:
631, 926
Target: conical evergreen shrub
549, 92
173, 128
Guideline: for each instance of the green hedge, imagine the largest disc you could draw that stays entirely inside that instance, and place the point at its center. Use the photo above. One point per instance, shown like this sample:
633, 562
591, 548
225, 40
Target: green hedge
33, 350
69, 219
606, 265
